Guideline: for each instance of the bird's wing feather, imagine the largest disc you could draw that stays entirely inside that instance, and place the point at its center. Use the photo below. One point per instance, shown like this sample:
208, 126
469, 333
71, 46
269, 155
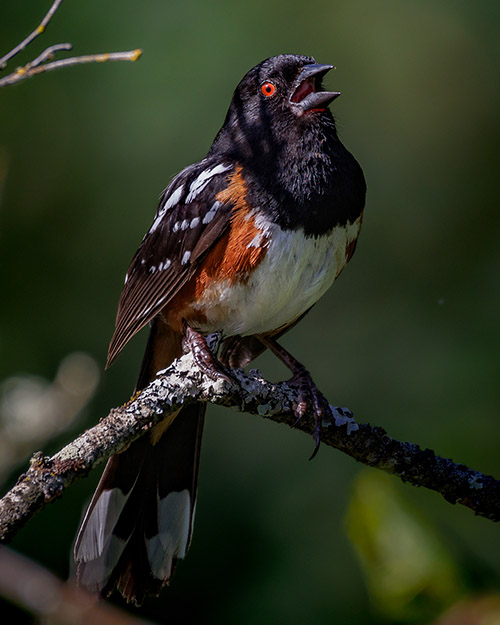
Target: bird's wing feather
188, 222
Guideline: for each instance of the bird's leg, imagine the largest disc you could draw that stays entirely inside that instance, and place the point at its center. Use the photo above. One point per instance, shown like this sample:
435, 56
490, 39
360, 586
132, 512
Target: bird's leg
309, 393
196, 343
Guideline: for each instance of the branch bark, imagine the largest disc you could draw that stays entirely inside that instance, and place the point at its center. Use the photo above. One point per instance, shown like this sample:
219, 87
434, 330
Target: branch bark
183, 383
40, 64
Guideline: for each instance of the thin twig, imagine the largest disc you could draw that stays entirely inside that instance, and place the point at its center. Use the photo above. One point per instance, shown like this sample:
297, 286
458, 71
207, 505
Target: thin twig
48, 54
183, 383
39, 65
28, 70
38, 31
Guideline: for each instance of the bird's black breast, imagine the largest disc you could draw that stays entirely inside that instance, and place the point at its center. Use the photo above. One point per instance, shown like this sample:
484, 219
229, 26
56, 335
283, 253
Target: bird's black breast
314, 191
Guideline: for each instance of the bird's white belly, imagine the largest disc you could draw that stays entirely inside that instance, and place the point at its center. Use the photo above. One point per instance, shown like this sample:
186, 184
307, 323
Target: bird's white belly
295, 272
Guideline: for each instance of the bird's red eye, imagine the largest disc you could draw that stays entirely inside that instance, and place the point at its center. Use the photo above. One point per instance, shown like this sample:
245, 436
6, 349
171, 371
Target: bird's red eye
268, 89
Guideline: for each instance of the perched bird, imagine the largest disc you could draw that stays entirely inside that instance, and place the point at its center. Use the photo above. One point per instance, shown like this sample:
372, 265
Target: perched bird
244, 243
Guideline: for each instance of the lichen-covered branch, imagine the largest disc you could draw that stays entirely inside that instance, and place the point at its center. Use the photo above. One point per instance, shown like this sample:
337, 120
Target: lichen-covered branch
44, 62
182, 383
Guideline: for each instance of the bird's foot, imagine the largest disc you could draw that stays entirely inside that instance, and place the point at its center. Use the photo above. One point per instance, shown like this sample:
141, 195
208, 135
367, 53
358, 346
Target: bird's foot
196, 343
310, 397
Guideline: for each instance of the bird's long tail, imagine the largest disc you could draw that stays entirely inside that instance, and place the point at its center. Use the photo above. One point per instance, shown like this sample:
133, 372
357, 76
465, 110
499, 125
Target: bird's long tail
139, 522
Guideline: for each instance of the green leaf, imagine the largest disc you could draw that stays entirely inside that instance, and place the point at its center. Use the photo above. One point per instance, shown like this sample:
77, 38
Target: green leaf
410, 574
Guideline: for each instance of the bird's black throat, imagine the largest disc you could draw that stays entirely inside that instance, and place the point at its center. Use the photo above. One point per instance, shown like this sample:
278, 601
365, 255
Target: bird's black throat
297, 171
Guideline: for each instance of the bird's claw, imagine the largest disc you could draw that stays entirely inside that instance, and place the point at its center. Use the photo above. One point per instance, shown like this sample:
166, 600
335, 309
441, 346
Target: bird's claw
196, 343
310, 397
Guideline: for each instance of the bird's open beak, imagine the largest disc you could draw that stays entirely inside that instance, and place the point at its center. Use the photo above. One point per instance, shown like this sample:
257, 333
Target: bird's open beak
307, 95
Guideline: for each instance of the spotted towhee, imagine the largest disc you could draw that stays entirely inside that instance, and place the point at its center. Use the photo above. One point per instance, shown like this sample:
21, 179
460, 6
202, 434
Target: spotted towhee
243, 243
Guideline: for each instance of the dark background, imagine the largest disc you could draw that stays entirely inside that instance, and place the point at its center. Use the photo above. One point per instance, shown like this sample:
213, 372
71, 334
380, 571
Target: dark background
408, 337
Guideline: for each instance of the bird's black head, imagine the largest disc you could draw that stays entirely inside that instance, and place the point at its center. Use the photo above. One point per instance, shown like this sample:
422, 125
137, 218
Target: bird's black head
276, 102
280, 130
287, 85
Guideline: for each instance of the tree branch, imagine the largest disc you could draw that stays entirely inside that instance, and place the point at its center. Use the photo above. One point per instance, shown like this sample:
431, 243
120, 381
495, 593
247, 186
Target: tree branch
30, 70
39, 592
32, 36
40, 65
183, 383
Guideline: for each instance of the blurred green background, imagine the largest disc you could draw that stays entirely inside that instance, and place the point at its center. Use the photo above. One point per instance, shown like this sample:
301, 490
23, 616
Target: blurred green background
408, 338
